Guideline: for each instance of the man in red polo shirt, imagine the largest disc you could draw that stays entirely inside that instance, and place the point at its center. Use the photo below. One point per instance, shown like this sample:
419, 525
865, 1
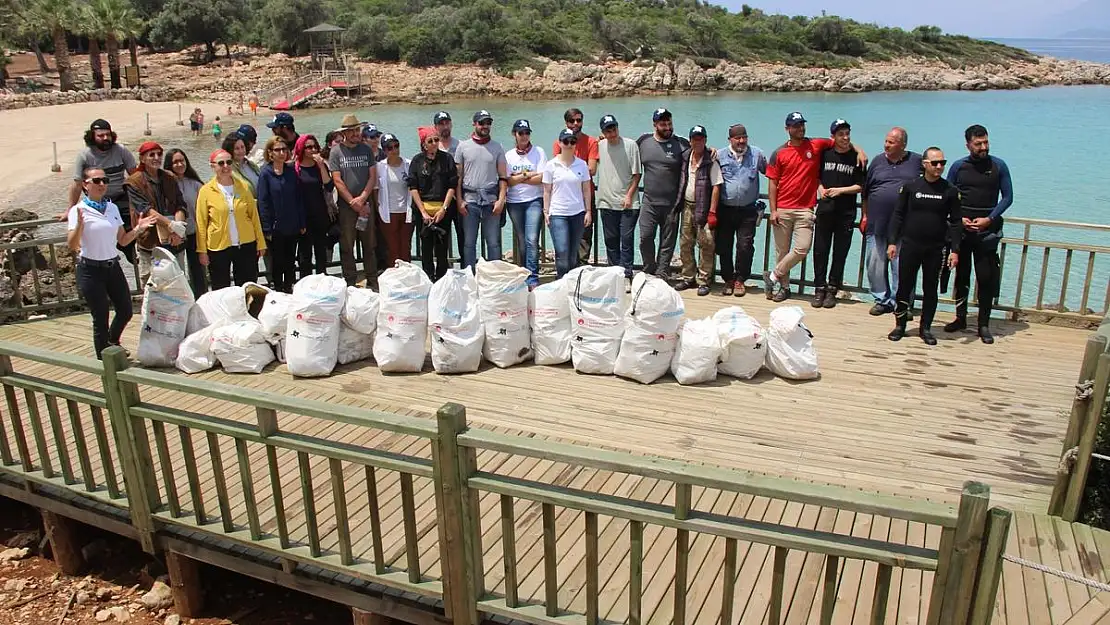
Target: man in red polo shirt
794, 174
586, 149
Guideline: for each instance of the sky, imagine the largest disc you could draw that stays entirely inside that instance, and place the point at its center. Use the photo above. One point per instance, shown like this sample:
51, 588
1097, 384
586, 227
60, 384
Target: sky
978, 18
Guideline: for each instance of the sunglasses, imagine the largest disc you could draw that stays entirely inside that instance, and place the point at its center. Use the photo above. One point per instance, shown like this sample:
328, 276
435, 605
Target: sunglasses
569, 141
97, 181
154, 154
431, 140
311, 147
279, 149
940, 163
486, 122
576, 120
222, 163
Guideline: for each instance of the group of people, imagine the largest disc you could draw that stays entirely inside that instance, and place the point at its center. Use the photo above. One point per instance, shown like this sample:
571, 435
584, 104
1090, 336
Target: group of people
357, 189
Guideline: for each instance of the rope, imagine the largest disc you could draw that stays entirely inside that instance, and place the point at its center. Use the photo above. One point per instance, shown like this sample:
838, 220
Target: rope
1067, 461
1100, 456
1084, 390
1071, 577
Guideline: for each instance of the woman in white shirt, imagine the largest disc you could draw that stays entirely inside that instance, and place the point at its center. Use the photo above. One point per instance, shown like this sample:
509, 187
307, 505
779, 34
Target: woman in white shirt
394, 202
189, 183
95, 229
566, 202
524, 198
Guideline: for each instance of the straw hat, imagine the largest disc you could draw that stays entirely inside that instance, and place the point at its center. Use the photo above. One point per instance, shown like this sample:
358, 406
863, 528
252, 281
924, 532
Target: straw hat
349, 122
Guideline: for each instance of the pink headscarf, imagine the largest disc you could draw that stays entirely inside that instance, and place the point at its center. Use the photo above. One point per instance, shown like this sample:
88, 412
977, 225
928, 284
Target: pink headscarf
424, 132
298, 150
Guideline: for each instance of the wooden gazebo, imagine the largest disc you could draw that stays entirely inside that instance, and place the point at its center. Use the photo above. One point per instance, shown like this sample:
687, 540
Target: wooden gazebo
323, 43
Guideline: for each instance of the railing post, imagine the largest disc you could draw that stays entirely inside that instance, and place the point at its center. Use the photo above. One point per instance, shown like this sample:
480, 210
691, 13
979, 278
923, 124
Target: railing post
1074, 499
963, 558
990, 566
133, 446
1096, 344
456, 508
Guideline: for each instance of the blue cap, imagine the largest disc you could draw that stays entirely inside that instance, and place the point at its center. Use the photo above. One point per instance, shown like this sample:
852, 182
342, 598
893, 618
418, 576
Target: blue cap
837, 125
247, 132
281, 119
567, 133
698, 131
388, 138
659, 114
521, 125
371, 131
482, 115
608, 121
795, 118
441, 116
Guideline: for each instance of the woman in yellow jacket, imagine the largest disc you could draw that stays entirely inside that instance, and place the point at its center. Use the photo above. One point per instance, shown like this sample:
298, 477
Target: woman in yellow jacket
229, 231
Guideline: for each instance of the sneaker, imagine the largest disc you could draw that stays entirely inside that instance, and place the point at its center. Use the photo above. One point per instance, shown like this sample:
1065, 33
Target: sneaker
818, 297
878, 310
897, 333
683, 285
727, 289
703, 290
985, 335
769, 283
927, 335
830, 297
957, 324
781, 293
740, 290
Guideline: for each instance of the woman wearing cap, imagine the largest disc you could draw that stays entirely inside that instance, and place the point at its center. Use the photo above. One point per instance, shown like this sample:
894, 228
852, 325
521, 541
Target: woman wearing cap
281, 209
432, 181
566, 202
95, 229
394, 202
177, 162
524, 198
229, 231
241, 166
152, 190
320, 212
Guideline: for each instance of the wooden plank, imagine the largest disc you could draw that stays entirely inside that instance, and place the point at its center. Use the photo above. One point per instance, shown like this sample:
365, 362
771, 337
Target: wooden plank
190, 461
60, 445
728, 582
882, 595
79, 440
508, 550
636, 572
551, 572
1036, 596
277, 497
37, 432
309, 500
247, 479
828, 593
681, 582
215, 454
408, 509
169, 481
104, 448
375, 520
1095, 610
1057, 589
777, 580
188, 594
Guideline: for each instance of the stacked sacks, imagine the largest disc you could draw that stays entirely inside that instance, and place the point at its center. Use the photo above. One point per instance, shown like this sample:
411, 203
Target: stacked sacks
241, 346
597, 303
790, 350
274, 318
651, 330
743, 343
402, 318
312, 333
549, 317
455, 323
213, 309
697, 352
167, 302
360, 320
503, 300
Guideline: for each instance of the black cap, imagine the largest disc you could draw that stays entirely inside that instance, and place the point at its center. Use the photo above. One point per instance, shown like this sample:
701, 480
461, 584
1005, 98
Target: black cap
441, 116
837, 125
659, 114
608, 121
100, 124
795, 118
567, 133
698, 131
370, 131
388, 138
482, 115
281, 119
247, 132
521, 125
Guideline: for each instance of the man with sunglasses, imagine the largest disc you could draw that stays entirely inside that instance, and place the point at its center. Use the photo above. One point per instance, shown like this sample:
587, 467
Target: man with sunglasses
102, 152
482, 187
152, 190
585, 148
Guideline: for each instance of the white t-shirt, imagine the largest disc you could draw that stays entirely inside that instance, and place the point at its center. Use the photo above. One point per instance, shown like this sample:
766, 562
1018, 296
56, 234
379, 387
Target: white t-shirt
397, 189
566, 186
98, 237
531, 162
715, 177
233, 228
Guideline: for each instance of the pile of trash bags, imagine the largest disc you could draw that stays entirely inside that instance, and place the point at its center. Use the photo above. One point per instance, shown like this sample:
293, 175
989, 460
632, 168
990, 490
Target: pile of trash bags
585, 318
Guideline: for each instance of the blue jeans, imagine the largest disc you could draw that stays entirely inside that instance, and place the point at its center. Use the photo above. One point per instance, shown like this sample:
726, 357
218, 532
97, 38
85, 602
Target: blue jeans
566, 233
527, 220
619, 227
481, 215
877, 264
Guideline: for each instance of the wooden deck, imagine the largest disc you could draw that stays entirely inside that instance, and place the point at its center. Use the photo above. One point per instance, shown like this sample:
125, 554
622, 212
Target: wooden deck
895, 418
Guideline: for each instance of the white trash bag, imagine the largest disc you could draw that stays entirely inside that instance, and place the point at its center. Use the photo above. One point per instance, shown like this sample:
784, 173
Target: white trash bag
790, 350
312, 333
402, 318
354, 346
549, 317
241, 347
743, 343
226, 304
274, 315
455, 323
167, 302
651, 330
360, 312
195, 354
503, 299
597, 303
697, 352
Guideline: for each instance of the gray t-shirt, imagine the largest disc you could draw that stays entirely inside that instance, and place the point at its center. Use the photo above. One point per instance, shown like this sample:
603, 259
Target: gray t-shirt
662, 163
116, 161
616, 164
451, 146
480, 179
354, 166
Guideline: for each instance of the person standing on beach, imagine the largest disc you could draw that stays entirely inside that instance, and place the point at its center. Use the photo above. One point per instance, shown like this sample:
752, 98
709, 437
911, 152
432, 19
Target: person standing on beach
253, 103
217, 130
886, 175
524, 198
152, 190
739, 210
699, 194
986, 191
585, 148
661, 158
353, 172
177, 162
102, 152
842, 177
482, 189
196, 122
618, 194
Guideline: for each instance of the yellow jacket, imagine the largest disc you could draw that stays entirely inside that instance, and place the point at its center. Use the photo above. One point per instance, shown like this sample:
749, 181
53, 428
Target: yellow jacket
213, 233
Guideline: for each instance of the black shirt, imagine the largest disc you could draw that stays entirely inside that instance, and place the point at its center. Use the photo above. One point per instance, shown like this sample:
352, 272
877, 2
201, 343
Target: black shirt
433, 178
928, 213
313, 188
840, 170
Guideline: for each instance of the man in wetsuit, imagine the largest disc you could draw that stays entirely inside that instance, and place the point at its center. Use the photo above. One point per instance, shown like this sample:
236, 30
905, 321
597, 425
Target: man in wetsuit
926, 218
986, 192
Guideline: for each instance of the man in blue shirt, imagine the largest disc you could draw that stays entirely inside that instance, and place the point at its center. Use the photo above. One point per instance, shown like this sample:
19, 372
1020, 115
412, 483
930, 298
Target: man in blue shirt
986, 191
739, 210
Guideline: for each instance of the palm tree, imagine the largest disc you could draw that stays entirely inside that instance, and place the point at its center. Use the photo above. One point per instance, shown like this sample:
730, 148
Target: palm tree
117, 19
93, 28
57, 17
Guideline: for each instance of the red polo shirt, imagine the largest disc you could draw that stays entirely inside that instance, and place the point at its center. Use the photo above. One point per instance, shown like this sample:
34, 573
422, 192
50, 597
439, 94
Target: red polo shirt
797, 171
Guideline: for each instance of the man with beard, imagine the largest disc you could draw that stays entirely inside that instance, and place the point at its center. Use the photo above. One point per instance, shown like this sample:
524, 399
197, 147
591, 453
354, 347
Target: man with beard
483, 183
986, 192
448, 143
102, 152
355, 179
283, 127
661, 158
152, 190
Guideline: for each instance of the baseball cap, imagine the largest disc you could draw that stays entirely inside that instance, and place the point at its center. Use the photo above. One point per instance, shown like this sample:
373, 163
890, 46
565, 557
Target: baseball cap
659, 114
441, 116
837, 125
567, 133
371, 131
281, 119
521, 125
608, 121
482, 115
100, 124
388, 138
795, 118
247, 132
698, 131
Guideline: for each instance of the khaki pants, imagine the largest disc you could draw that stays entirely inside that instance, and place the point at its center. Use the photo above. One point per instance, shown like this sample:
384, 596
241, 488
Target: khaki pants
348, 234
693, 233
793, 238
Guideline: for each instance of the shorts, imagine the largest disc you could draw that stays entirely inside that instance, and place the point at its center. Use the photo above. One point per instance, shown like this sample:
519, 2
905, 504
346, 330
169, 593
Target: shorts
194, 125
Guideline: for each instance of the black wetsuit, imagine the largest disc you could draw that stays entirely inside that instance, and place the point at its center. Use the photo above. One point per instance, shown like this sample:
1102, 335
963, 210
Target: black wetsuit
927, 217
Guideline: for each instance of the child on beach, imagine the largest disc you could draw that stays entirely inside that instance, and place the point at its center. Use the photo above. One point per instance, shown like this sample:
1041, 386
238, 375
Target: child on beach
216, 130
196, 122
254, 104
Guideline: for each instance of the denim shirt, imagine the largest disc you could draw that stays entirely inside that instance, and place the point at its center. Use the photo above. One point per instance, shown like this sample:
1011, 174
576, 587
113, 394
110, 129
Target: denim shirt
741, 186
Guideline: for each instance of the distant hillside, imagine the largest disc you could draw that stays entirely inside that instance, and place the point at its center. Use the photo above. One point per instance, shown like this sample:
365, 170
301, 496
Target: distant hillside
1086, 33
1077, 18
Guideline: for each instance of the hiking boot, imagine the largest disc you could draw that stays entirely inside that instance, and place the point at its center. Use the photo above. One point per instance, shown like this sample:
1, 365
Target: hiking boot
898, 332
781, 293
926, 335
740, 290
769, 284
985, 335
830, 297
684, 284
818, 297
957, 324
878, 310
703, 290
727, 289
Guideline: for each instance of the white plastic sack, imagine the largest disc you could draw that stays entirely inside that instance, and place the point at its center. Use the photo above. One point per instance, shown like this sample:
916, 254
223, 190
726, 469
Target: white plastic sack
697, 352
195, 354
274, 315
597, 303
402, 318
167, 301
743, 343
312, 333
790, 350
226, 304
360, 312
241, 347
354, 345
279, 349
549, 317
651, 330
503, 297
455, 323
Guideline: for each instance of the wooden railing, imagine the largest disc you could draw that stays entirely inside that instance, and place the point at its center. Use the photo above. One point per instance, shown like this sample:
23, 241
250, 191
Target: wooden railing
246, 432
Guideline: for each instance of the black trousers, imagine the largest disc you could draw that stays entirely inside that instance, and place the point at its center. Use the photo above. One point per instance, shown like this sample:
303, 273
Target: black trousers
283, 263
242, 259
832, 232
313, 244
101, 285
666, 220
198, 276
736, 225
453, 218
979, 249
928, 260
433, 247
